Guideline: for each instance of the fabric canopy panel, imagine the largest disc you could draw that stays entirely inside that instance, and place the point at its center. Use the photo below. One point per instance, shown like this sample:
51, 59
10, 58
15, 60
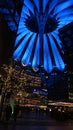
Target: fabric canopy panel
37, 42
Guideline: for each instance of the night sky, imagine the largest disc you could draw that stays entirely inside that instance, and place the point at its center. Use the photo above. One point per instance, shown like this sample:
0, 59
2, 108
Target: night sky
6, 42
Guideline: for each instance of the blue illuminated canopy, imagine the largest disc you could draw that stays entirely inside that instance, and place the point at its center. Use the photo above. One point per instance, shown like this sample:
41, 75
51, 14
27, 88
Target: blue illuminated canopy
37, 42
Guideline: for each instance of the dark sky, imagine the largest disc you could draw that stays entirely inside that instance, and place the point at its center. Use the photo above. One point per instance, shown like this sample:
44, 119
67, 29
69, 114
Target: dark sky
6, 41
